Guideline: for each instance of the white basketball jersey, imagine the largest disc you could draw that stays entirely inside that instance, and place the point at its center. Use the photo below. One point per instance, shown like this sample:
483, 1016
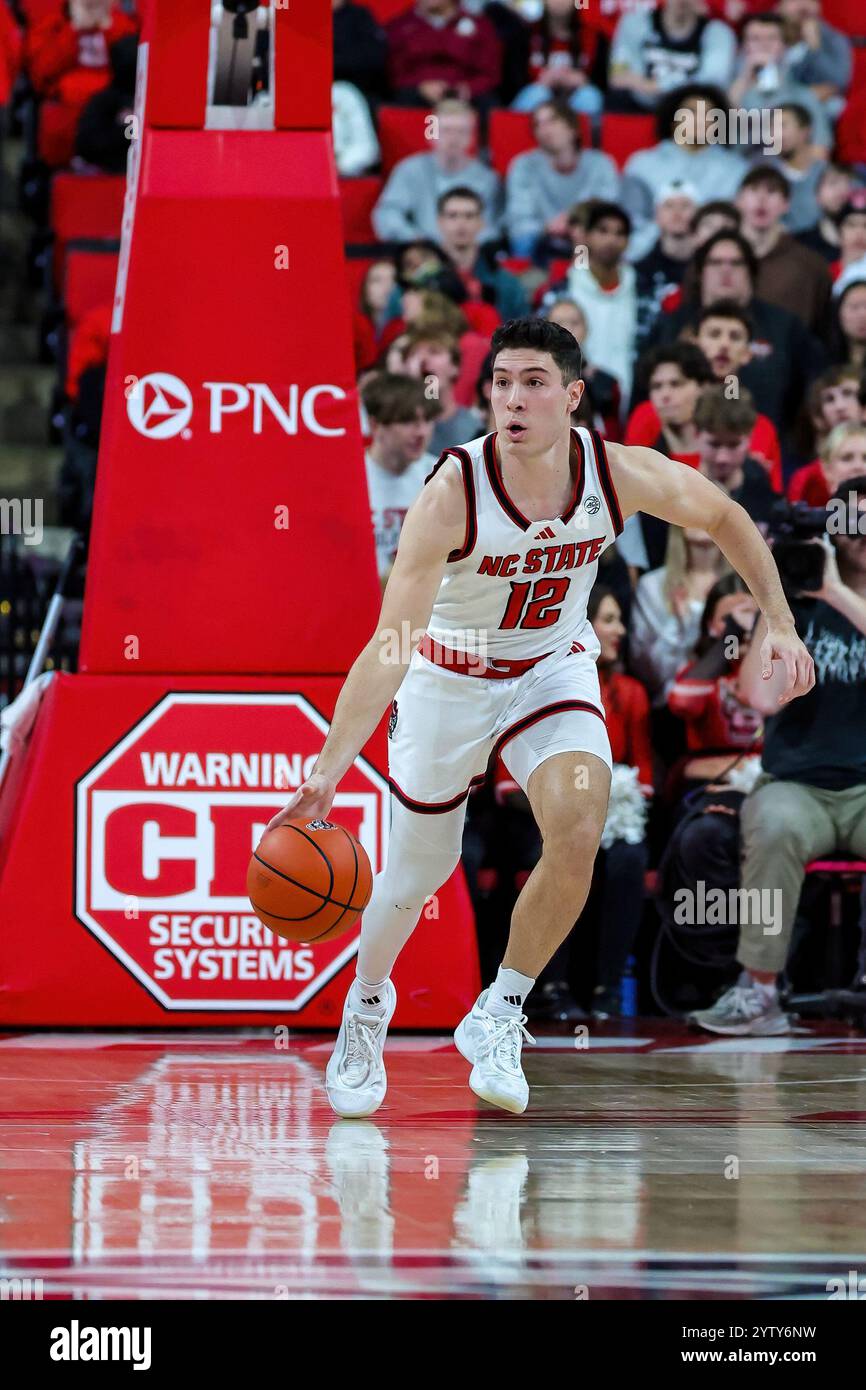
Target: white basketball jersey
518, 588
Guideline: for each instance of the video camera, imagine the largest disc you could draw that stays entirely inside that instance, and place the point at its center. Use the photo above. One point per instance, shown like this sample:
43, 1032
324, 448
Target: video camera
794, 529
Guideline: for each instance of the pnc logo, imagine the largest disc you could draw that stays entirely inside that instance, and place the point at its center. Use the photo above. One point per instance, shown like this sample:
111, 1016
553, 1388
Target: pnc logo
160, 406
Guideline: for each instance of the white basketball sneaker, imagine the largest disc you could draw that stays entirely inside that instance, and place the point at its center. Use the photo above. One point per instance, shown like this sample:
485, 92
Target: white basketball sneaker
355, 1078
493, 1046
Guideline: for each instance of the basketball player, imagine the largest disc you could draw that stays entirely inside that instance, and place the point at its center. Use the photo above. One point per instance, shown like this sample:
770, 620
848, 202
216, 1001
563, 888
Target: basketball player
493, 570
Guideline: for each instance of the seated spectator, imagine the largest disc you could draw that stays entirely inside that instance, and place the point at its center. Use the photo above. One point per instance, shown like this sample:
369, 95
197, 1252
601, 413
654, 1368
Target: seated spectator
834, 190
723, 334
683, 152
789, 275
833, 400
851, 225
818, 55
847, 336
360, 49
104, 130
67, 52
810, 800
622, 863
764, 82
705, 695
542, 184
677, 373
660, 271
459, 224
656, 50
375, 296
667, 609
784, 355
839, 458
801, 164
408, 204
601, 392
438, 49
435, 358
605, 287
400, 416
567, 60
724, 427
356, 148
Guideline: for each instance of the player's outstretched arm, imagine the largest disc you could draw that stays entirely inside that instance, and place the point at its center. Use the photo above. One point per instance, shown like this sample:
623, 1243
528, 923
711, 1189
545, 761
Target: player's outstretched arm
647, 481
433, 527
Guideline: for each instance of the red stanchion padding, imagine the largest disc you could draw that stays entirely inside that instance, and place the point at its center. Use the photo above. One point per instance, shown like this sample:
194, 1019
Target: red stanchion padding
303, 67
231, 526
177, 38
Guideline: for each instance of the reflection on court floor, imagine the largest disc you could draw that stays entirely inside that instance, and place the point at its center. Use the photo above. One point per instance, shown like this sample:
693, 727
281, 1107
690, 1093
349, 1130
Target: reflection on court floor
653, 1164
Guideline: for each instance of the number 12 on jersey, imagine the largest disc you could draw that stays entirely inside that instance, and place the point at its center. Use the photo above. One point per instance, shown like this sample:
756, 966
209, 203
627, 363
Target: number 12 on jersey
535, 603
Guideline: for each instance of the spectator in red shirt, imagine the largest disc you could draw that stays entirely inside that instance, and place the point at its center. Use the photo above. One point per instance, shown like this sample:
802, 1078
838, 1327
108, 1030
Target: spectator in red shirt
842, 457
66, 53
833, 400
438, 49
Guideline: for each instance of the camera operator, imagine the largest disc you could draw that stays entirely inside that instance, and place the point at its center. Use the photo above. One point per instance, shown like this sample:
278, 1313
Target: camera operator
810, 800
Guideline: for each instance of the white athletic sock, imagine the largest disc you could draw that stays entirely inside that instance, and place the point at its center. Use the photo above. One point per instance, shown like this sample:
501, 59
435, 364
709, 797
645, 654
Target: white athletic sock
367, 996
507, 993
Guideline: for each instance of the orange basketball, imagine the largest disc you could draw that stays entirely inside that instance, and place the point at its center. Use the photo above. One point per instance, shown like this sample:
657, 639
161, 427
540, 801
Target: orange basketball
309, 880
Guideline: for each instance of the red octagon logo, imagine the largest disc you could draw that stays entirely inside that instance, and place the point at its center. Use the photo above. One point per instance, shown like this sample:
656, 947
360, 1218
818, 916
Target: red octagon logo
165, 824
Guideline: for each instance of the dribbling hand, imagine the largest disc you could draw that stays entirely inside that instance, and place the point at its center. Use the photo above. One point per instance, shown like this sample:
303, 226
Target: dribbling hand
314, 799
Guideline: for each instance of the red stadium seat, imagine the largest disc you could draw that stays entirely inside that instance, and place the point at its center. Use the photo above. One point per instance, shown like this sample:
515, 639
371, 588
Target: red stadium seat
359, 197
55, 140
88, 279
84, 206
34, 10
851, 130
510, 134
622, 135
845, 15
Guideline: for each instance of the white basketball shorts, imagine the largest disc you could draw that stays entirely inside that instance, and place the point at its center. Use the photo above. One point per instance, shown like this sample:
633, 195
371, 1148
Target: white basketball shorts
444, 726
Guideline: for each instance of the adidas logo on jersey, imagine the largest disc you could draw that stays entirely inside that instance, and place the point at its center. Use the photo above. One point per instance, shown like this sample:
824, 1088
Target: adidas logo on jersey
547, 533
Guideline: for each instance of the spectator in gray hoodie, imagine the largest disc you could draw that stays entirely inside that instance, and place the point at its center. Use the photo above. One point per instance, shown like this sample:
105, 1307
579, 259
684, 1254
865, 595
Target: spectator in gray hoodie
687, 151
656, 50
544, 183
819, 56
407, 205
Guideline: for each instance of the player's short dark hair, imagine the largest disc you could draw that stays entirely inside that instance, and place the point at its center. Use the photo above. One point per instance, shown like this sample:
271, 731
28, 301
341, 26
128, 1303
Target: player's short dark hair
543, 336
726, 234
460, 191
767, 176
597, 210
685, 355
718, 413
393, 399
727, 309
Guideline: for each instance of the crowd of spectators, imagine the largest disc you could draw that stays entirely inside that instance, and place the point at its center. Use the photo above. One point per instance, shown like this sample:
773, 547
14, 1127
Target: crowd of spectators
715, 277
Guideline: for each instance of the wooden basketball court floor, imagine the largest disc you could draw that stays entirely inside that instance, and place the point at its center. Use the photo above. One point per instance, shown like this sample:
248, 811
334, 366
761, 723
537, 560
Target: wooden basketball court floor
654, 1163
